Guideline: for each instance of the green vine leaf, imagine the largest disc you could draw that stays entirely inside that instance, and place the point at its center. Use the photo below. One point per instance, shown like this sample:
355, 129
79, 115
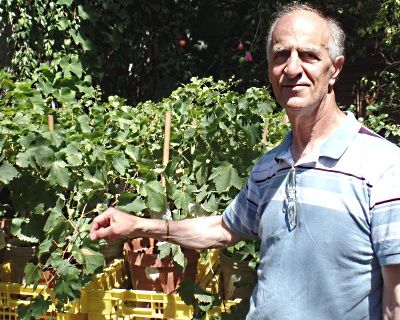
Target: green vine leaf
164, 249
38, 155
84, 123
29, 230
201, 300
32, 273
138, 205
120, 164
226, 176
155, 196
68, 288
167, 249
38, 306
45, 247
132, 152
7, 172
178, 257
73, 155
181, 199
76, 67
63, 24
93, 261
63, 266
59, 174
64, 2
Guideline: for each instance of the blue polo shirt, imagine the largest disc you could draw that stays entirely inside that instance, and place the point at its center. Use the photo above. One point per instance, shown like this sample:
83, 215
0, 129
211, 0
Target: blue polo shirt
347, 225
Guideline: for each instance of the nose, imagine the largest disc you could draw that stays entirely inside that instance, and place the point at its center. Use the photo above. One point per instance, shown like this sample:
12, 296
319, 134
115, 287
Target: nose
293, 66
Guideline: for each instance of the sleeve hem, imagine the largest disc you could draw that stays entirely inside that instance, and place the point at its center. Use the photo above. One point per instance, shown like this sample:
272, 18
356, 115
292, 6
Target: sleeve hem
237, 231
389, 259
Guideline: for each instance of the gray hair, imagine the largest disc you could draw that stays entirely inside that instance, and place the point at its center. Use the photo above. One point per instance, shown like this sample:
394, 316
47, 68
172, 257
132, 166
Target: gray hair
336, 33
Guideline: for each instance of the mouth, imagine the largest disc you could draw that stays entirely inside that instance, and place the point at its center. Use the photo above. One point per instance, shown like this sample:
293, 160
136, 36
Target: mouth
295, 85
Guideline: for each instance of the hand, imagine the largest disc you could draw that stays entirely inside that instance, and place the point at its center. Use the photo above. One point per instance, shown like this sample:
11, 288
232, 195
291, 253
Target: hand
112, 224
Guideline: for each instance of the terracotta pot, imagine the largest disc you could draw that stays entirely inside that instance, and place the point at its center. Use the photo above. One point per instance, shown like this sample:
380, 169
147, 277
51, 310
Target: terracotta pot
148, 272
238, 278
20, 253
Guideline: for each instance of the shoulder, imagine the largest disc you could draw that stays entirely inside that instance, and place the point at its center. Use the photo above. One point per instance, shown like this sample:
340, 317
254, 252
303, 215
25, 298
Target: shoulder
376, 154
377, 147
269, 164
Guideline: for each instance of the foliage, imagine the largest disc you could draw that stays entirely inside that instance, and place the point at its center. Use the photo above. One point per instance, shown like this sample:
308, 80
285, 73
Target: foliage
205, 304
107, 152
201, 300
381, 91
216, 138
245, 250
130, 53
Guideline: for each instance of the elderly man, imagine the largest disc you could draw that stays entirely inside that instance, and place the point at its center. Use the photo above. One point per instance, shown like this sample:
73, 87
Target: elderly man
325, 203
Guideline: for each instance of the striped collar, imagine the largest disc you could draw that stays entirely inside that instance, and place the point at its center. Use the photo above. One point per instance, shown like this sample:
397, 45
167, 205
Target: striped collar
334, 147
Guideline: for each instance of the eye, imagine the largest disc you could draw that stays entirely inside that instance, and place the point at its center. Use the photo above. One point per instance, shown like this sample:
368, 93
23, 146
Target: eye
309, 56
281, 55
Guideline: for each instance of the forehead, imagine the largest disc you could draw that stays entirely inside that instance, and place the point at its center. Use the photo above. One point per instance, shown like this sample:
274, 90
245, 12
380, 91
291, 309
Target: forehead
300, 29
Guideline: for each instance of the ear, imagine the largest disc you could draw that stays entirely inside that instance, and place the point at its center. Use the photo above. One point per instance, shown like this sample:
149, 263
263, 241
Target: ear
337, 66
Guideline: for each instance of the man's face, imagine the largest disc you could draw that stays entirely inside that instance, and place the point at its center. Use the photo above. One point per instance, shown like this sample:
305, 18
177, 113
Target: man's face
299, 67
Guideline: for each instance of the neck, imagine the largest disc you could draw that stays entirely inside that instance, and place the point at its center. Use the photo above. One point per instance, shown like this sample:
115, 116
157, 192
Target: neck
312, 127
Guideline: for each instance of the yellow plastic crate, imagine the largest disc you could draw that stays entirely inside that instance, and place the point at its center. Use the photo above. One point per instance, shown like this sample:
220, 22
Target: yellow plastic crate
105, 299
13, 294
134, 304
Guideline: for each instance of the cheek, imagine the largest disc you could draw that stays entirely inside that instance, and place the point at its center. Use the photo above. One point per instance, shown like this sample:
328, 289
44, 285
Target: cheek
273, 75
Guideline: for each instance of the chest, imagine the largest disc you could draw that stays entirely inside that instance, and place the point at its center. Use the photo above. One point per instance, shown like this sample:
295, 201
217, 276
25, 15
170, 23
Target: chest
325, 205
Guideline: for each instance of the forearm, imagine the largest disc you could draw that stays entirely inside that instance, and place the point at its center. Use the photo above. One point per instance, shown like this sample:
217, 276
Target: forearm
197, 233
391, 292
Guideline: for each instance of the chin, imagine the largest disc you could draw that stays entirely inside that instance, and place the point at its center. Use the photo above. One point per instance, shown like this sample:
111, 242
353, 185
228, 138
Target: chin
294, 103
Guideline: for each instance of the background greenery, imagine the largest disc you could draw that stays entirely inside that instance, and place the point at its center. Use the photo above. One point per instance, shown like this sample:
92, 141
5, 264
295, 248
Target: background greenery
142, 50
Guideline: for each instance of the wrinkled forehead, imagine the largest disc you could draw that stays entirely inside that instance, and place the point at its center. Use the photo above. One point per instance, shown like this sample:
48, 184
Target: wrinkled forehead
301, 28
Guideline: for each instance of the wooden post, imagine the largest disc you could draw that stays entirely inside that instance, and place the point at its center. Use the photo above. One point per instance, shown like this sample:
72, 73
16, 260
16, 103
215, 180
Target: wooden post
50, 120
265, 131
167, 140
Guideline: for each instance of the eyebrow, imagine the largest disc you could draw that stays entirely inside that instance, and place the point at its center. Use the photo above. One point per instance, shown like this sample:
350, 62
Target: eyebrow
310, 50
307, 50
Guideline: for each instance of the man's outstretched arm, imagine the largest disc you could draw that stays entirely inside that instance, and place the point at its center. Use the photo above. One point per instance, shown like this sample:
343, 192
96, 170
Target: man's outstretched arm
197, 233
391, 292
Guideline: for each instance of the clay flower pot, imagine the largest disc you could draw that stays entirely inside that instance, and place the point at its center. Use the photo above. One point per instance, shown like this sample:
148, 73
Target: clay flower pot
149, 272
20, 253
238, 278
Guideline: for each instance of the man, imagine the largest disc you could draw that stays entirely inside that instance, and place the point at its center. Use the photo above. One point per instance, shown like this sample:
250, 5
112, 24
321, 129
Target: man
325, 203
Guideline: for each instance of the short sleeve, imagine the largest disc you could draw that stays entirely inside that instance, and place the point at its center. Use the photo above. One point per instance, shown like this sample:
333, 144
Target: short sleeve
385, 216
241, 215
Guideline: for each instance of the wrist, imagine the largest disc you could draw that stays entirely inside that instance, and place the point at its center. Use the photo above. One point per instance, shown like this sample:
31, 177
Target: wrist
150, 228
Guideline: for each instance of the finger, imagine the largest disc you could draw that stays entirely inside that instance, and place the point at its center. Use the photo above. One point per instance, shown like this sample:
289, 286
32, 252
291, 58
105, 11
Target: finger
102, 221
102, 233
99, 222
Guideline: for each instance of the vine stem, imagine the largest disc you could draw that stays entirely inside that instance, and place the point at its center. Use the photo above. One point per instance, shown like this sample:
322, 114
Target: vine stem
258, 26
